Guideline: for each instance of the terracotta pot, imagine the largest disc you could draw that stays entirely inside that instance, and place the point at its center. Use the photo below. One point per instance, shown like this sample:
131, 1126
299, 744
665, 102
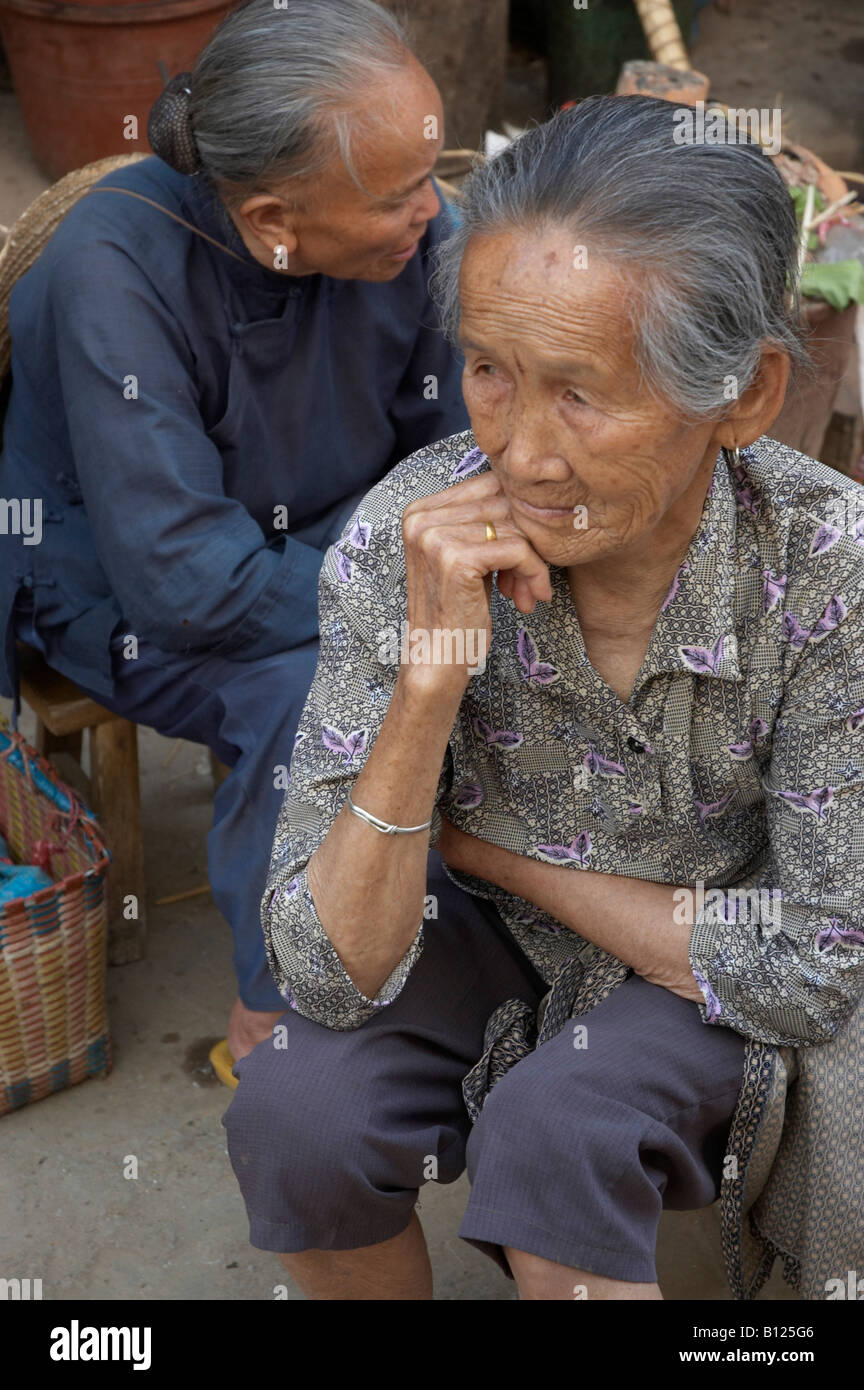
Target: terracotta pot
80, 71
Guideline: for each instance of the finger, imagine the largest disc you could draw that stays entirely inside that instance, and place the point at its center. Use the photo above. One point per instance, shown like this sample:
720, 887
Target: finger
507, 552
524, 596
475, 514
487, 485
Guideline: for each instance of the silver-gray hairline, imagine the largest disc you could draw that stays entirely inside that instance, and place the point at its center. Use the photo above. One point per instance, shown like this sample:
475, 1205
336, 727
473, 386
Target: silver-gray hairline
273, 104
705, 298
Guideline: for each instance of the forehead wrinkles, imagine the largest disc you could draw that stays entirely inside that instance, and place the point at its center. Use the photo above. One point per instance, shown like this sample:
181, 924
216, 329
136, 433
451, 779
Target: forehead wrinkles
554, 326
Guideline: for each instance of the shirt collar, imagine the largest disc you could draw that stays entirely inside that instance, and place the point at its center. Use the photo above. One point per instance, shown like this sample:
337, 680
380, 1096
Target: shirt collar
696, 628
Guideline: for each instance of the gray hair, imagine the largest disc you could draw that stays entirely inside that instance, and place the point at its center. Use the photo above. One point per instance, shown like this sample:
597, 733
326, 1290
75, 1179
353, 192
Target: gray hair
274, 95
709, 232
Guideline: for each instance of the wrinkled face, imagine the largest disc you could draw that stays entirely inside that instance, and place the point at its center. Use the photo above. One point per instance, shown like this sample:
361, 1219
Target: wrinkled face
590, 462
350, 233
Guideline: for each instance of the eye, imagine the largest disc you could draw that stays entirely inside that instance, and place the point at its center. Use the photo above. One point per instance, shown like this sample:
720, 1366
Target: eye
573, 396
486, 368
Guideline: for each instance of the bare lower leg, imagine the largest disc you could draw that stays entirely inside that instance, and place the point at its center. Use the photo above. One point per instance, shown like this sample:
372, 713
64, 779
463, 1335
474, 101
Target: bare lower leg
394, 1269
248, 1027
539, 1279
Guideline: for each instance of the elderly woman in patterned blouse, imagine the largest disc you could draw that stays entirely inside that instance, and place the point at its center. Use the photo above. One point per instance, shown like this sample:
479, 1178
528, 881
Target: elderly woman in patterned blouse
606, 647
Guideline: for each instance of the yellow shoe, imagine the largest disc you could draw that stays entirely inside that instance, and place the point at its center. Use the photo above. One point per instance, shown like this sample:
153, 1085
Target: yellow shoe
221, 1061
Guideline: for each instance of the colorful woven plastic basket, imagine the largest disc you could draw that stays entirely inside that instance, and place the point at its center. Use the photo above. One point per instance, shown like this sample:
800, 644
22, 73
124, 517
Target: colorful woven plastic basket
53, 944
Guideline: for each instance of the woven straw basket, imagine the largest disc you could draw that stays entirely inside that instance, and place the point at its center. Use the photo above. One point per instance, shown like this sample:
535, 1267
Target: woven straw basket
53, 1023
53, 944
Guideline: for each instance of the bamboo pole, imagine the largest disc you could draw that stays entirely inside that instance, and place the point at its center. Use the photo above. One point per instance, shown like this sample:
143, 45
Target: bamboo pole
662, 33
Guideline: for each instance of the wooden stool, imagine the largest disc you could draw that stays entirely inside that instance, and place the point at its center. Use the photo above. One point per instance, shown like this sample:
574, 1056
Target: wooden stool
62, 714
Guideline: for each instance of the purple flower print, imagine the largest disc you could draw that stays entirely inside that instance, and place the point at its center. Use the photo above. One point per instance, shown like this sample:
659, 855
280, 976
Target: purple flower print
350, 744
703, 661
712, 1003
343, 566
758, 729
816, 802
538, 672
858, 533
756, 737
577, 852
835, 935
773, 590
746, 496
469, 464
835, 612
468, 795
360, 534
824, 537
673, 588
795, 634
712, 808
601, 767
741, 751
855, 721
500, 738
635, 808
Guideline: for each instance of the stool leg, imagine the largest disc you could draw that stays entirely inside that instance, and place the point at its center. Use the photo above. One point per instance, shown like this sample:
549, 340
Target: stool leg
218, 771
116, 796
47, 743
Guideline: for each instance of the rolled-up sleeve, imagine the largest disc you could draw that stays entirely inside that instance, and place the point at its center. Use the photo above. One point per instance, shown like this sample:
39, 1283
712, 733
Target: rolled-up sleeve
361, 608
792, 971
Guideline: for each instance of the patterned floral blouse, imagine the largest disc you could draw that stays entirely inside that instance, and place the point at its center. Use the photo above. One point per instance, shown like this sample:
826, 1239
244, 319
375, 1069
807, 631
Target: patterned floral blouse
738, 762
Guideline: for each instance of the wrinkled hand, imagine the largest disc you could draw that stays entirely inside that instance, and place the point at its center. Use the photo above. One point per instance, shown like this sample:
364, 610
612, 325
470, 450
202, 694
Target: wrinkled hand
450, 564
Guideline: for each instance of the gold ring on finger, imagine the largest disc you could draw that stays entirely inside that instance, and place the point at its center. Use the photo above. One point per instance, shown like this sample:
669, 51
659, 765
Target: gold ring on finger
491, 533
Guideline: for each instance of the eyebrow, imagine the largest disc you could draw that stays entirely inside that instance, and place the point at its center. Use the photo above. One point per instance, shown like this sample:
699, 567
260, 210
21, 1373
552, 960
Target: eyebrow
558, 364
402, 192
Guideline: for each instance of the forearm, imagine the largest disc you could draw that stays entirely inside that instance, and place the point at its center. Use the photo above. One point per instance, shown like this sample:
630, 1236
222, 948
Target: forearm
628, 917
368, 887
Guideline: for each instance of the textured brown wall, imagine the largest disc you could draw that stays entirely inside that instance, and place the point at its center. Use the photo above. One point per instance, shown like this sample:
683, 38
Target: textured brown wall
463, 43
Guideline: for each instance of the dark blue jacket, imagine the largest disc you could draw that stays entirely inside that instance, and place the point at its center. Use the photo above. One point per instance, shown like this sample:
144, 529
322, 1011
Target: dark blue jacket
172, 407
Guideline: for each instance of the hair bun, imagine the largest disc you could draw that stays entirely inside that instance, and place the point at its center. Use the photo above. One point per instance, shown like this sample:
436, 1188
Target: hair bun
169, 127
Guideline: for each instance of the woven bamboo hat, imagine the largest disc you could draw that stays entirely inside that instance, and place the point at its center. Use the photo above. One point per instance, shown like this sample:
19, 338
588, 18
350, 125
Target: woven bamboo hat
28, 235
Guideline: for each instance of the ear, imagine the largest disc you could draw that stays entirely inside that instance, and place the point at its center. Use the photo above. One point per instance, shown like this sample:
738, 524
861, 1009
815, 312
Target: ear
757, 408
269, 221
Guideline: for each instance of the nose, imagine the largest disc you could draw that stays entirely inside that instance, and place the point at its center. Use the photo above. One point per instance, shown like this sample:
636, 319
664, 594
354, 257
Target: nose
531, 455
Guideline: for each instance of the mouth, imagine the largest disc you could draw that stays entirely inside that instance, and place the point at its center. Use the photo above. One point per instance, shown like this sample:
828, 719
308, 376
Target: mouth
405, 254
541, 513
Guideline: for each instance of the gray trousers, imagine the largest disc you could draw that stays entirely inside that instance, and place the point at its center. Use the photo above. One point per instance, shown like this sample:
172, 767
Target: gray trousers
577, 1150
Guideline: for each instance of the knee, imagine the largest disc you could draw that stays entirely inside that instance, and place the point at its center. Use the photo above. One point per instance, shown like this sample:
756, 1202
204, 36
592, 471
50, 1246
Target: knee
522, 1113
283, 1119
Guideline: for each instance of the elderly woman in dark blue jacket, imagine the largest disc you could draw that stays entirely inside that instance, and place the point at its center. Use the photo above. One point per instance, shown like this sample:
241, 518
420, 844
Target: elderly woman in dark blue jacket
215, 357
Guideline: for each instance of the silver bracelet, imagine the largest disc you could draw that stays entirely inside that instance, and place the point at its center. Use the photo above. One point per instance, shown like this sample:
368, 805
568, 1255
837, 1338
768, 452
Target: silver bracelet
382, 825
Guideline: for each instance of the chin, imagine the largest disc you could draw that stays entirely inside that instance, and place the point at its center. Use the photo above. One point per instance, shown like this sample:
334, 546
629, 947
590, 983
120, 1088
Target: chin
382, 271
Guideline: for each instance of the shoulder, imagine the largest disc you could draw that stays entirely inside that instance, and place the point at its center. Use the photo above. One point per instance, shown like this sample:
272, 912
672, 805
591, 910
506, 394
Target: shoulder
102, 212
809, 519
107, 236
114, 262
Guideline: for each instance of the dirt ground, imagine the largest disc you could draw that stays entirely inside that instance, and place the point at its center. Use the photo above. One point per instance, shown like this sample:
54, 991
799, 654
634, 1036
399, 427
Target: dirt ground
67, 1215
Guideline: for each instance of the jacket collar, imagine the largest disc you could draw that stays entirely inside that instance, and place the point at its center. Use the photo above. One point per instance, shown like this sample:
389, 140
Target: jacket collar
695, 631
208, 213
